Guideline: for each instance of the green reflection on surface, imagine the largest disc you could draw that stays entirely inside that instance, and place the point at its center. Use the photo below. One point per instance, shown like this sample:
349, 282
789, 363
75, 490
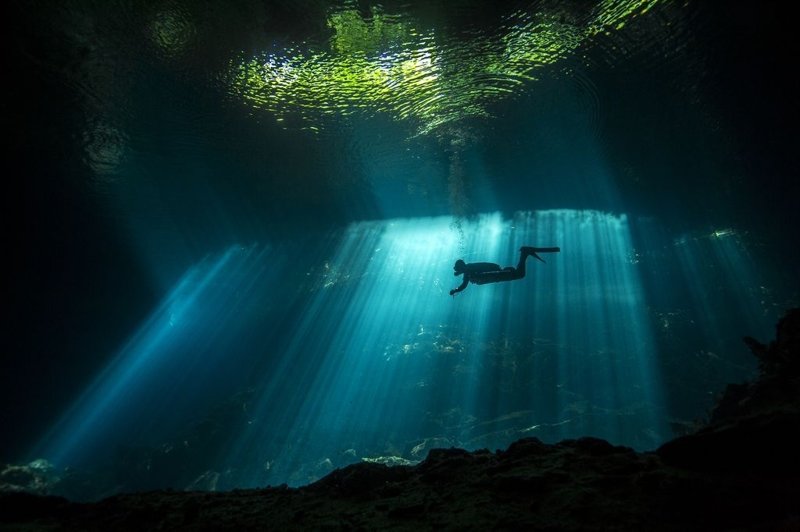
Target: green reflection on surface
353, 34
385, 64
172, 31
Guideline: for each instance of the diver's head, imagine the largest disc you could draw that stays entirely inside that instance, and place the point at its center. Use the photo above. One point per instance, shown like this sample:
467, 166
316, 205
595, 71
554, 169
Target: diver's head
458, 268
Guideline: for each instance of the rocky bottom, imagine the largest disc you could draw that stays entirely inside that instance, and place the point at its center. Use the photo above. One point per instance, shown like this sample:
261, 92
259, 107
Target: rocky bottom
741, 471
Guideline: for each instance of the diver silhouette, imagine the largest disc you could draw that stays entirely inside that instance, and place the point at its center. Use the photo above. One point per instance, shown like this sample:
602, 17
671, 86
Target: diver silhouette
488, 272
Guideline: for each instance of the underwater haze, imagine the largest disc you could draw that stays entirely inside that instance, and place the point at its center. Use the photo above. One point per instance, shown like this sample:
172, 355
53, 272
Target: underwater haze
233, 230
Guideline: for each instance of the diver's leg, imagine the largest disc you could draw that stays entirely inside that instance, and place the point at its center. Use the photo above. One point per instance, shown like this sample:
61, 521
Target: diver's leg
520, 270
533, 251
506, 274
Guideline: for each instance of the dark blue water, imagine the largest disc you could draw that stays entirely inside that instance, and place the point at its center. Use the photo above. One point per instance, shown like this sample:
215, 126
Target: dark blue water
233, 231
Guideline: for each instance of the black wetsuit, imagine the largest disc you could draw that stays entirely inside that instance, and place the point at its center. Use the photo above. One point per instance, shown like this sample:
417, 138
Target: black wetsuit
488, 272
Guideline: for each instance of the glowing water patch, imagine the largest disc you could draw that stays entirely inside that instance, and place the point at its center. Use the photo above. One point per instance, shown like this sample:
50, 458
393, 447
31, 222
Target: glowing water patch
377, 359
607, 366
384, 359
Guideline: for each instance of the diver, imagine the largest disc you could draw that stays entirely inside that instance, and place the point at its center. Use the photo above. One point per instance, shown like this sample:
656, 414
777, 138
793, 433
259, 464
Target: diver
488, 272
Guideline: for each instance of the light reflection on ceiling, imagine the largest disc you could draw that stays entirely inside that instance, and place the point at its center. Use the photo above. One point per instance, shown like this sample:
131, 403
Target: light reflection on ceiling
387, 63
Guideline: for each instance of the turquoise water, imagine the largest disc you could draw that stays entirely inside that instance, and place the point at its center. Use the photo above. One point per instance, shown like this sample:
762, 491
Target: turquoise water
239, 228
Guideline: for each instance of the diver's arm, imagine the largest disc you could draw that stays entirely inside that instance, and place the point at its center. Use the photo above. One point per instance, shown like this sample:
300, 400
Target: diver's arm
461, 287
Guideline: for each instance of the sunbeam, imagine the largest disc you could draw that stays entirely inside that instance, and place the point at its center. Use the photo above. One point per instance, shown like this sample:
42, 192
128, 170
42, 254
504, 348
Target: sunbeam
382, 359
156, 377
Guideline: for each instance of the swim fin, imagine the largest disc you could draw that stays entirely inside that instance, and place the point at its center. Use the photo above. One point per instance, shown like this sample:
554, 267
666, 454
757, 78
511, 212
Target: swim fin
533, 251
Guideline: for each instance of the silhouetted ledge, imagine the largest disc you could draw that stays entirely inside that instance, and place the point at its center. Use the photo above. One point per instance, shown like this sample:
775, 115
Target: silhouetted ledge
739, 472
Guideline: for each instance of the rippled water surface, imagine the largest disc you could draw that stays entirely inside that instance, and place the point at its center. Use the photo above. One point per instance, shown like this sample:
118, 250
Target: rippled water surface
439, 70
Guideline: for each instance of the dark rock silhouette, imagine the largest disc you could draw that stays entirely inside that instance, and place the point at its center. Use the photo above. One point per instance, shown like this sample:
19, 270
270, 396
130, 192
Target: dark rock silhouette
753, 425
738, 472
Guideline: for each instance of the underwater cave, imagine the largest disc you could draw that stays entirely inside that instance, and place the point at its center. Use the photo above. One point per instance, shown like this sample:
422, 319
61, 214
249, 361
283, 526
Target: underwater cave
234, 230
